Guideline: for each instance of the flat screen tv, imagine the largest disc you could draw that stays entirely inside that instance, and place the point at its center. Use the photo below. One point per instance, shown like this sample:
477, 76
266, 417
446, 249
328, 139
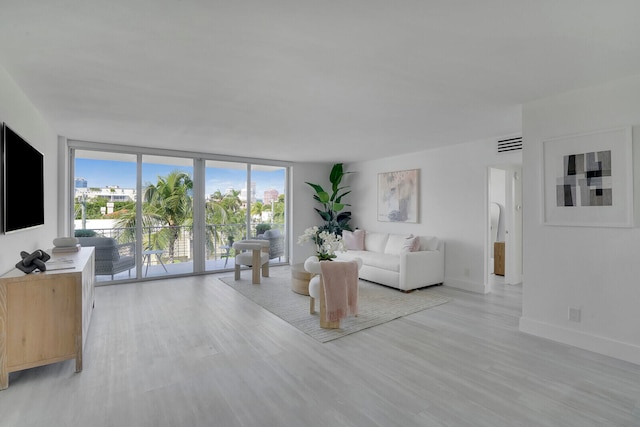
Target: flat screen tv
22, 183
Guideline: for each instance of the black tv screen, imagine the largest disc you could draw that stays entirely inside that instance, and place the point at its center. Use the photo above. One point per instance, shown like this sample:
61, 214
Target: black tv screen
22, 183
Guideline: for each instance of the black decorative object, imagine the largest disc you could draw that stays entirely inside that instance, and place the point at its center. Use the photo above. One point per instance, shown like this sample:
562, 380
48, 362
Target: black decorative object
32, 261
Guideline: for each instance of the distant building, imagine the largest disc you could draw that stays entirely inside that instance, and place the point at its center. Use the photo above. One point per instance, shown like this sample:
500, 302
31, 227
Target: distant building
80, 183
111, 194
243, 193
270, 195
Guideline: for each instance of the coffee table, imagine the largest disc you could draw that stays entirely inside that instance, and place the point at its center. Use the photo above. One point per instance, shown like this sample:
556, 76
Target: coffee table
300, 279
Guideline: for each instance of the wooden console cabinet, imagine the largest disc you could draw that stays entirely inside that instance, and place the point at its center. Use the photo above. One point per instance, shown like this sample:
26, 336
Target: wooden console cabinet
498, 258
44, 317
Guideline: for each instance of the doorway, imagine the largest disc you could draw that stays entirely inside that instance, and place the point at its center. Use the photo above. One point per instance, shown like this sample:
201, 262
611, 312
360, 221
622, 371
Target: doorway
503, 252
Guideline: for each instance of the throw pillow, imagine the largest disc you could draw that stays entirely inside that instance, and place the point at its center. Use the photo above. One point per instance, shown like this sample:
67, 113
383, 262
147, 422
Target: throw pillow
411, 244
395, 244
375, 242
353, 240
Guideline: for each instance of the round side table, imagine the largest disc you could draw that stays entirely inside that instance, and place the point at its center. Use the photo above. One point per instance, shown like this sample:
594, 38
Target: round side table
300, 279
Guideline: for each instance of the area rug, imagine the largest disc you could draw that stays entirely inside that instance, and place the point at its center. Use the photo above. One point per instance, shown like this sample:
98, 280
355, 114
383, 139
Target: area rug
377, 304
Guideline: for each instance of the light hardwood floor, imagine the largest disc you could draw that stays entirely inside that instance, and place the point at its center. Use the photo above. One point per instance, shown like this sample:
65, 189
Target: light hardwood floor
193, 352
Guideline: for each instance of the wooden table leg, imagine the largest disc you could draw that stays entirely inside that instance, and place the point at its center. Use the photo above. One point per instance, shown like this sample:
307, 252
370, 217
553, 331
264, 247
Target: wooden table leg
324, 323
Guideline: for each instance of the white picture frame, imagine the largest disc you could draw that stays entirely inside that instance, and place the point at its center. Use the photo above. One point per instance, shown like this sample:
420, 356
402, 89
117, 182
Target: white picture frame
588, 179
398, 196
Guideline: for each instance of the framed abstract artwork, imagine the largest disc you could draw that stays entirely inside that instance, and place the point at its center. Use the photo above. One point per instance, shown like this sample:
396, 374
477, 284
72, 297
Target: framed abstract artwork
398, 196
588, 179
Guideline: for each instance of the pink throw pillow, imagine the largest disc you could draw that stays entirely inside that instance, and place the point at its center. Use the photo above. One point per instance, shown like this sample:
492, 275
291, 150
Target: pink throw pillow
411, 244
353, 240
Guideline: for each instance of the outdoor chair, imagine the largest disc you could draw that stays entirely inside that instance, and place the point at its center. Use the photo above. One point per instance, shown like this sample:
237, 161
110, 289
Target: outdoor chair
276, 242
110, 256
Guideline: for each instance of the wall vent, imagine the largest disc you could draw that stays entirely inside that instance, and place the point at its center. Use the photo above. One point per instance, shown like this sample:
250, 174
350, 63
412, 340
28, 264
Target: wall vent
510, 144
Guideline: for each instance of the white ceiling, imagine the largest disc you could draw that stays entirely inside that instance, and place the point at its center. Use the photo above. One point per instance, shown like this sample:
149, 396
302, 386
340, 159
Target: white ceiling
305, 80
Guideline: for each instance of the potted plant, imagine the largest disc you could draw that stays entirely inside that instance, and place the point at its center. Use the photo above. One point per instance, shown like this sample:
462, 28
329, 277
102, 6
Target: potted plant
326, 243
261, 228
332, 212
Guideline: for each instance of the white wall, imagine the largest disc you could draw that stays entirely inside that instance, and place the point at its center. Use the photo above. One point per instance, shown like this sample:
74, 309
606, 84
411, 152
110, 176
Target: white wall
22, 116
303, 205
453, 203
594, 269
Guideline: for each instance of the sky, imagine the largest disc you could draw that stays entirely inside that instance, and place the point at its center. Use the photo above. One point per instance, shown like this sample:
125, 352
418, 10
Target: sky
106, 173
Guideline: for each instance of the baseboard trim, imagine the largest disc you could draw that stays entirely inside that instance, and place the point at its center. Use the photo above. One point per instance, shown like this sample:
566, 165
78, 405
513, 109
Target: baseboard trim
597, 344
466, 286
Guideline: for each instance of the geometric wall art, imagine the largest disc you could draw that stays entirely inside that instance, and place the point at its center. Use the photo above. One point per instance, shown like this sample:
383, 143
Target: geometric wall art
588, 179
398, 199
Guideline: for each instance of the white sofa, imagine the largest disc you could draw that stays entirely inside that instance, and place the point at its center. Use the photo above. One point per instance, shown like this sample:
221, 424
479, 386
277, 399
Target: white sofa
400, 261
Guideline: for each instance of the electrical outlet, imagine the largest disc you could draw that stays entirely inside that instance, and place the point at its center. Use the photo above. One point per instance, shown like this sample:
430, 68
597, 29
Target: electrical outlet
574, 314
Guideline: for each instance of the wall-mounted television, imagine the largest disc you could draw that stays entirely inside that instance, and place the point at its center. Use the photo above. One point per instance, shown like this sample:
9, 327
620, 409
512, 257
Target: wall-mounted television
22, 183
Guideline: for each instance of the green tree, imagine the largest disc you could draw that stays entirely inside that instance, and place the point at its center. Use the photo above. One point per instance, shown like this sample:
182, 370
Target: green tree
226, 210
167, 206
278, 210
92, 208
257, 208
170, 203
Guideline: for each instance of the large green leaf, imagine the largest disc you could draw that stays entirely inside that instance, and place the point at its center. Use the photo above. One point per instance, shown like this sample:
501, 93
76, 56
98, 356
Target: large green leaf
321, 195
343, 217
324, 215
339, 198
336, 175
324, 197
316, 187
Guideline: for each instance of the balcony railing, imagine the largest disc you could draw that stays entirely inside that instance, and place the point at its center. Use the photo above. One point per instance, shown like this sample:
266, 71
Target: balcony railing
218, 241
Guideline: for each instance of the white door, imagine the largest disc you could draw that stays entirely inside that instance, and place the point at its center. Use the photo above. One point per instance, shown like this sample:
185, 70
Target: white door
513, 226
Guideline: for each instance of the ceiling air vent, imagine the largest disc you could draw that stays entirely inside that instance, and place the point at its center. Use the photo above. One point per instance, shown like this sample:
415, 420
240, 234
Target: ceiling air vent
510, 144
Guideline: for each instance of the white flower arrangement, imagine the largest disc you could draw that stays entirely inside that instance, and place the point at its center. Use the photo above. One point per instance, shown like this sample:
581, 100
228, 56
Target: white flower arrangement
326, 243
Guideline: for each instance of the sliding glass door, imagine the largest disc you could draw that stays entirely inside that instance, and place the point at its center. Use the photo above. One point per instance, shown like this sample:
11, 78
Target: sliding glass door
104, 207
225, 211
167, 216
177, 215
268, 208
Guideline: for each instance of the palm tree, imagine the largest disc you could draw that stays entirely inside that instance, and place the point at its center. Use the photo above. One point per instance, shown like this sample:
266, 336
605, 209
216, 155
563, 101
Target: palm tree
170, 205
223, 209
167, 205
257, 208
278, 210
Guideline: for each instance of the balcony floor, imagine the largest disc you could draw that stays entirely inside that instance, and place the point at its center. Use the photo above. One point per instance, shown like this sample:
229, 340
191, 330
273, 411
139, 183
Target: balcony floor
156, 270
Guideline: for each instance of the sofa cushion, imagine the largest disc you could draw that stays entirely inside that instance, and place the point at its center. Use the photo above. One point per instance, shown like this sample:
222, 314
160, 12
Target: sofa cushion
395, 244
374, 259
375, 242
353, 240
